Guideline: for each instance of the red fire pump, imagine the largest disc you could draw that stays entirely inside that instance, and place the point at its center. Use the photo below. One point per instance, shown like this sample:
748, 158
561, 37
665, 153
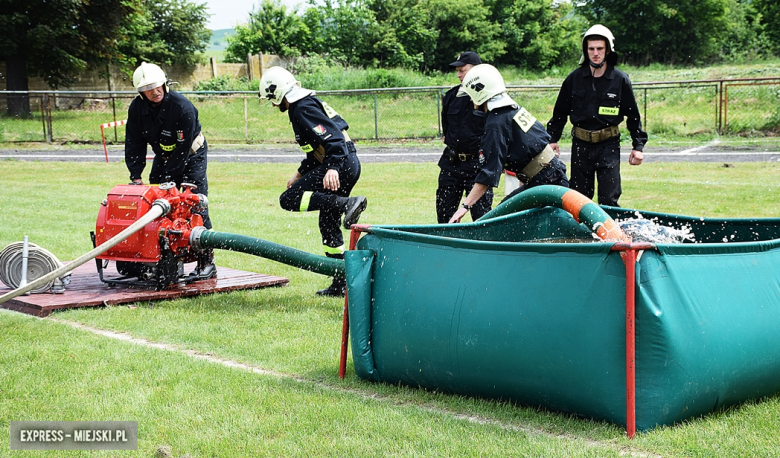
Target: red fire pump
156, 254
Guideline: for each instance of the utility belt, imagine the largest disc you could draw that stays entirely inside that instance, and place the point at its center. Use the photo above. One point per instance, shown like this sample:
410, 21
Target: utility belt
319, 152
196, 146
537, 164
595, 136
463, 157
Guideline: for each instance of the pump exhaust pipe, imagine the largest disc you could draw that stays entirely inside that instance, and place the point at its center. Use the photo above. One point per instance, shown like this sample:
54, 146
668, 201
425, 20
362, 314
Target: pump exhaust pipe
159, 208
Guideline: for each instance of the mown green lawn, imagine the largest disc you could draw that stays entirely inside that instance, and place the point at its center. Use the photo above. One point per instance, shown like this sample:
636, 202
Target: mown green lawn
295, 404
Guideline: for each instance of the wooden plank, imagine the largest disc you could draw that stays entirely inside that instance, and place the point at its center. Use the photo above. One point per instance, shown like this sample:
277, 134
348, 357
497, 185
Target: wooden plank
86, 290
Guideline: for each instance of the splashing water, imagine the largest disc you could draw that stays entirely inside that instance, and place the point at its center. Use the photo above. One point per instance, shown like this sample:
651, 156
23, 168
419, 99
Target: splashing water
645, 230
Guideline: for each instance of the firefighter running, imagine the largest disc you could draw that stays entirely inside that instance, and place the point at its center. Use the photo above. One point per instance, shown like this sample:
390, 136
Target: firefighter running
331, 168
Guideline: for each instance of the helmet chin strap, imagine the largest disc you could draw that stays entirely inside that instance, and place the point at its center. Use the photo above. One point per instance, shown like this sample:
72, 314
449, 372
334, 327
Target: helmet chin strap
596, 66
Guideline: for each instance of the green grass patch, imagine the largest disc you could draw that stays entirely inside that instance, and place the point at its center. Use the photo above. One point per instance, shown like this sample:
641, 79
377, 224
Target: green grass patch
51, 371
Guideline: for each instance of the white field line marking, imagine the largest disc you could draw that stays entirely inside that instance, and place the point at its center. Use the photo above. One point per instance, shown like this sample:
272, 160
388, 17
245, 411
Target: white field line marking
365, 395
698, 148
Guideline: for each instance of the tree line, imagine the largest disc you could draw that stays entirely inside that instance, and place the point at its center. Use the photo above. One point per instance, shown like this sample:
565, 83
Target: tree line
426, 35
59, 39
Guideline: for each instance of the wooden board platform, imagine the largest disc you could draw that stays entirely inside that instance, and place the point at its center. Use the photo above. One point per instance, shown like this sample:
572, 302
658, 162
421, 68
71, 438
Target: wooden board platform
86, 289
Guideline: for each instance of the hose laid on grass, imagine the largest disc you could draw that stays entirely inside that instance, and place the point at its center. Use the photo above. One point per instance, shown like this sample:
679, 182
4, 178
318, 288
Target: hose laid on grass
201, 238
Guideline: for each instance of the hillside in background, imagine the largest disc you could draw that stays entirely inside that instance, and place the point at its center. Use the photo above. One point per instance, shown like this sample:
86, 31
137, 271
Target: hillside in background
218, 42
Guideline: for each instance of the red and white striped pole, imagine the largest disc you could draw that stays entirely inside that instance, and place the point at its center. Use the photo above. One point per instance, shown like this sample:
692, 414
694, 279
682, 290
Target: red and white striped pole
102, 134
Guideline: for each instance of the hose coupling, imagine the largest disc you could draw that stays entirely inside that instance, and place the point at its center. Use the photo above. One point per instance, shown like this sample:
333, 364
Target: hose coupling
195, 235
164, 204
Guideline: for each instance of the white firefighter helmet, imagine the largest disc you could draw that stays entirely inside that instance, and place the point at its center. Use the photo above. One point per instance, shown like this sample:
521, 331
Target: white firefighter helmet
276, 83
149, 76
596, 32
482, 83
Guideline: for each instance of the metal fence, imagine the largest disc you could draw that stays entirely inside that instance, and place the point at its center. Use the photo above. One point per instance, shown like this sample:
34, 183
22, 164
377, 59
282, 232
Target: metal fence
669, 109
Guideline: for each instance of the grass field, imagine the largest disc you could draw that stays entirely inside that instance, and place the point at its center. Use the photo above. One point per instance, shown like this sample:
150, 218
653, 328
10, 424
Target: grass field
288, 400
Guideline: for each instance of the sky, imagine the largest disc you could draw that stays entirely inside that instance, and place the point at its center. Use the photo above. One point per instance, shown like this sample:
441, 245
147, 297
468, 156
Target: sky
225, 14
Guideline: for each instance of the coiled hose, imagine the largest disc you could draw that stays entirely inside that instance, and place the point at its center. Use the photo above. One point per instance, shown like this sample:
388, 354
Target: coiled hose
39, 263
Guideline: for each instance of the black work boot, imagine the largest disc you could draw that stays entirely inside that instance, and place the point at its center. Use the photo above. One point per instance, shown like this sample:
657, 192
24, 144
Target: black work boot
206, 268
353, 209
339, 285
336, 289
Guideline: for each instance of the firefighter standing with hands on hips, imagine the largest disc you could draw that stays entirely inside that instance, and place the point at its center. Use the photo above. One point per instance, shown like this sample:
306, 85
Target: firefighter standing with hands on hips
514, 140
169, 123
596, 97
463, 127
330, 170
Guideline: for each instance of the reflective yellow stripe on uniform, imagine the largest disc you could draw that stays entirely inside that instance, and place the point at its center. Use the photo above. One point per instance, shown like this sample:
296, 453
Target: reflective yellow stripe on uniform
305, 199
334, 250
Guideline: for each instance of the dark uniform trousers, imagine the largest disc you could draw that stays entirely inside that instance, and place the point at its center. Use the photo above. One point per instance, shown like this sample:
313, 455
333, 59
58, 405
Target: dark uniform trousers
194, 173
324, 200
597, 160
456, 180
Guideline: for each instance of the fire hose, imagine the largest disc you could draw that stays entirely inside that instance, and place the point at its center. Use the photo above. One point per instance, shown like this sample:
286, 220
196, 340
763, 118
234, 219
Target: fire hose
39, 262
159, 208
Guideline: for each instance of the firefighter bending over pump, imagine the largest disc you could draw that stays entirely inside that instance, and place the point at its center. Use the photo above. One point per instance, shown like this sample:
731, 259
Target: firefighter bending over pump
169, 123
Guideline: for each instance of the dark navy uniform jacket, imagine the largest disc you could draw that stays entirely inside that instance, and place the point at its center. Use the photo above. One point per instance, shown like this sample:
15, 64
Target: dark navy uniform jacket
462, 128
596, 103
317, 130
169, 129
509, 144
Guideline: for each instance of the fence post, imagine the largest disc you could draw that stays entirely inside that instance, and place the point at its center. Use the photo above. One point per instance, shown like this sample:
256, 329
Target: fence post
376, 120
720, 108
246, 123
438, 110
43, 102
113, 106
48, 119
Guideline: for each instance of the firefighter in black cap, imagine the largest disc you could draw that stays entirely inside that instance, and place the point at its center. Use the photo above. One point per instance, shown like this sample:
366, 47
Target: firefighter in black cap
596, 97
330, 170
169, 123
463, 128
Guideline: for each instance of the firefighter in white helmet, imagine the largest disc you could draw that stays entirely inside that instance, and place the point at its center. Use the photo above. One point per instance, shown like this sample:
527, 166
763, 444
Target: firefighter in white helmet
513, 140
326, 176
168, 122
596, 97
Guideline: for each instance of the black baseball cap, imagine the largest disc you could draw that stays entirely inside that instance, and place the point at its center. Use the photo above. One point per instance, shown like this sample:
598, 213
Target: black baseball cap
468, 57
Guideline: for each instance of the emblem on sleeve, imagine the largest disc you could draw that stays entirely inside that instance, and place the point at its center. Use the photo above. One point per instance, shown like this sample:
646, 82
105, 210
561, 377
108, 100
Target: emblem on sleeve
179, 135
319, 129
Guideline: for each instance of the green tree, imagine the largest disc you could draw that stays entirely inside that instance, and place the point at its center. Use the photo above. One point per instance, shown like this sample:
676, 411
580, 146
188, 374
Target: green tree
165, 32
272, 28
670, 31
463, 25
57, 40
405, 37
769, 11
742, 36
539, 33
345, 29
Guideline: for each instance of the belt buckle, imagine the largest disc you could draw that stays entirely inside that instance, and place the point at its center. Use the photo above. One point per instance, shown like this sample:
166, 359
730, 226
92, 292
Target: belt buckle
462, 157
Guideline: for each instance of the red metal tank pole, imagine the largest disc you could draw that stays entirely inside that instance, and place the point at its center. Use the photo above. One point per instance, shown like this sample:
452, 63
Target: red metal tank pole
353, 239
628, 252
630, 261
159, 208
